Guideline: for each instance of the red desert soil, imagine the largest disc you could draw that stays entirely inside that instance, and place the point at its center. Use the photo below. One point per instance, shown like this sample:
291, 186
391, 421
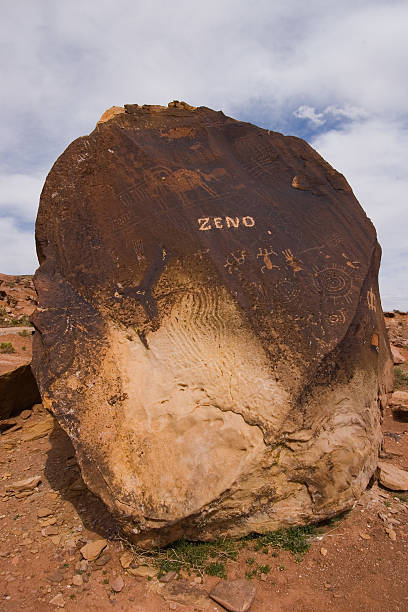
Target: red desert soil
354, 564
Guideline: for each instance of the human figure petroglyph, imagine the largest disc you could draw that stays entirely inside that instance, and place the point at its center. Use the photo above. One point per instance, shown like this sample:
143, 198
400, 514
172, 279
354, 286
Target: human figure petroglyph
291, 260
265, 254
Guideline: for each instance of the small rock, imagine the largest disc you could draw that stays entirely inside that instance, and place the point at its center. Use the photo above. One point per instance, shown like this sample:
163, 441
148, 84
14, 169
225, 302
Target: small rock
126, 559
399, 401
365, 536
118, 584
143, 571
43, 512
106, 557
77, 580
392, 477
82, 565
50, 531
397, 356
93, 549
58, 601
391, 534
25, 414
168, 577
48, 521
172, 605
264, 577
37, 430
56, 577
24, 485
234, 595
55, 540
323, 552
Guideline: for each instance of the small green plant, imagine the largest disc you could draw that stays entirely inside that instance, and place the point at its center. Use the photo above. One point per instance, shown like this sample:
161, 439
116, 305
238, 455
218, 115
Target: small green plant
400, 378
106, 581
216, 568
7, 347
250, 561
23, 348
295, 539
402, 496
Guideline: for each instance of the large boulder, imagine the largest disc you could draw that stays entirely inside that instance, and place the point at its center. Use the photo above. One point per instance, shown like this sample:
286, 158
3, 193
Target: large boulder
210, 333
18, 387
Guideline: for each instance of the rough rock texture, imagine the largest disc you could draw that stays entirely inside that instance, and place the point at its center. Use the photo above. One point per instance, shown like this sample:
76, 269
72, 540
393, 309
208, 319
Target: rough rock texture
397, 327
210, 332
397, 356
17, 299
399, 401
18, 388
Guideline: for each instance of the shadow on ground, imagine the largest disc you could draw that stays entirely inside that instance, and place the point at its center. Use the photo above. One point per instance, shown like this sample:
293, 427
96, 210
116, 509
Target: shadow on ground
63, 474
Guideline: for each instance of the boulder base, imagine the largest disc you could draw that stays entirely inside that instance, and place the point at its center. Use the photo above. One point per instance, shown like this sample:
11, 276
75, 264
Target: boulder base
210, 332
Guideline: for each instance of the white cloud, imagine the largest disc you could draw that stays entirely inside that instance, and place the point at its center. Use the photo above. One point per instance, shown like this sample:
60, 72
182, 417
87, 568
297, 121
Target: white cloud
318, 119
308, 112
19, 195
372, 155
17, 249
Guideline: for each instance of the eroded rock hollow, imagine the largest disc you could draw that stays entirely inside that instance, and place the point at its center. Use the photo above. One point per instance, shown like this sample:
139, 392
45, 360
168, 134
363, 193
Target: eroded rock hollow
209, 330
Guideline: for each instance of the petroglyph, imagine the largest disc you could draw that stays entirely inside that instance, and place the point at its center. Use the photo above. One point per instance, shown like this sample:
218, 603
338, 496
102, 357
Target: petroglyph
352, 264
265, 254
337, 318
235, 259
334, 283
291, 260
371, 300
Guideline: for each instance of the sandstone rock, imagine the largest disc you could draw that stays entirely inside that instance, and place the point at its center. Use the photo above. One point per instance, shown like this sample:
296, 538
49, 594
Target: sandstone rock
37, 430
234, 595
58, 601
393, 477
18, 387
399, 401
143, 571
44, 512
117, 584
126, 559
168, 577
191, 595
93, 549
77, 580
210, 328
397, 356
24, 485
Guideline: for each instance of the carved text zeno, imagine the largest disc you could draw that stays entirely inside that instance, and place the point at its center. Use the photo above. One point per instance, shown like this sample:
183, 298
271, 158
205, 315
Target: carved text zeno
209, 223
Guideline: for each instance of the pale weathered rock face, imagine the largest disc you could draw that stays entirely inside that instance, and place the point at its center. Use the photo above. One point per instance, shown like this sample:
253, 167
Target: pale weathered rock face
210, 332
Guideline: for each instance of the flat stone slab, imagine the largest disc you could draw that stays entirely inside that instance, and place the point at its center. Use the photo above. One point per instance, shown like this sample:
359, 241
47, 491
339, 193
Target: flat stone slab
393, 477
234, 595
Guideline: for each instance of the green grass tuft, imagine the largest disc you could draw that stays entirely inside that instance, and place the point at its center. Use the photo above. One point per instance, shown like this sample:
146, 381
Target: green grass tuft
7, 347
400, 378
295, 539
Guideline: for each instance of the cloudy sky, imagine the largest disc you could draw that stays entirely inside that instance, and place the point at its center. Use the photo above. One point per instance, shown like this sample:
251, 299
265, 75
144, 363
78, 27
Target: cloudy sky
332, 72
